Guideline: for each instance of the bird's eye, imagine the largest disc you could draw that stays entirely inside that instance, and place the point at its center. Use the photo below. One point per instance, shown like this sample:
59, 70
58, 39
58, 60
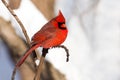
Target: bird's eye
60, 23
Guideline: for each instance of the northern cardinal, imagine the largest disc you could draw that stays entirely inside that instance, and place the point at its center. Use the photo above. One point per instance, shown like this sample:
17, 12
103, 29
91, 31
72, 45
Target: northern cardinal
50, 35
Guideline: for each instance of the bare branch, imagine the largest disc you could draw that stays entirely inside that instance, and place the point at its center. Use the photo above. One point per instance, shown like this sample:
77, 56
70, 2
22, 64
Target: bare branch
18, 20
66, 50
9, 36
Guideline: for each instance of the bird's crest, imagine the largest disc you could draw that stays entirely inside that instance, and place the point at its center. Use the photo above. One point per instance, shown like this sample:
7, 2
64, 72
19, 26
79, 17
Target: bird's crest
60, 17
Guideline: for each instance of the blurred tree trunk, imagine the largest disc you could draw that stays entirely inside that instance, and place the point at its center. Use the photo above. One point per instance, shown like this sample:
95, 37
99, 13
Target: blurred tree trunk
14, 4
46, 7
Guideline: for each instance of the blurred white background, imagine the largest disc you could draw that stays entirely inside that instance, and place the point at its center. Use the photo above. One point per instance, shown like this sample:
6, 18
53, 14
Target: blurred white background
93, 40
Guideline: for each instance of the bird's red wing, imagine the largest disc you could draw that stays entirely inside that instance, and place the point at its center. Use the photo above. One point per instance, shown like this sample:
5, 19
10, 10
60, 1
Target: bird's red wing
38, 38
44, 34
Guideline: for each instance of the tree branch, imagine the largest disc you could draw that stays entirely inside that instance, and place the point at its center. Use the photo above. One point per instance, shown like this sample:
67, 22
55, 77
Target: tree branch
18, 20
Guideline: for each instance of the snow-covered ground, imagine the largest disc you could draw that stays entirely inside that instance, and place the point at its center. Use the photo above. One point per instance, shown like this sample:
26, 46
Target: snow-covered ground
93, 40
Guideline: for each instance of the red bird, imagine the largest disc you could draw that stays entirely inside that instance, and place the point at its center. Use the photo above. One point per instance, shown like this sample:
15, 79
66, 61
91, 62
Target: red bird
50, 35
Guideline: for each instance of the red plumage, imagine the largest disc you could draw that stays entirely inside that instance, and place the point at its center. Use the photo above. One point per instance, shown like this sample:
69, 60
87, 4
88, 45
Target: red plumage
51, 34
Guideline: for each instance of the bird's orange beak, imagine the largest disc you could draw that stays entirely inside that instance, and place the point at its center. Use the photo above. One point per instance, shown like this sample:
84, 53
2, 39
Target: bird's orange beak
63, 26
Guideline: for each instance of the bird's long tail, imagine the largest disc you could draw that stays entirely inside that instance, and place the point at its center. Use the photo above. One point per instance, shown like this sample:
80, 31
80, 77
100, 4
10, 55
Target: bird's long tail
29, 51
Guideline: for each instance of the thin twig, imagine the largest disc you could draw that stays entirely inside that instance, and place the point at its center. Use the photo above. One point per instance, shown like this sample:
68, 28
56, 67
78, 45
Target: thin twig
66, 50
18, 20
13, 75
16, 45
21, 25
39, 69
